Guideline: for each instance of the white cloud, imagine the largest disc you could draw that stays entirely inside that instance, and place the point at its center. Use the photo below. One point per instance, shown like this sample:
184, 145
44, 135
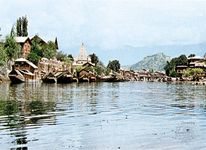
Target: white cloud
110, 23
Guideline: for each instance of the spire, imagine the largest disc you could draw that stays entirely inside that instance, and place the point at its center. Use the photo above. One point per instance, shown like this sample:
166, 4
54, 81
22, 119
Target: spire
82, 54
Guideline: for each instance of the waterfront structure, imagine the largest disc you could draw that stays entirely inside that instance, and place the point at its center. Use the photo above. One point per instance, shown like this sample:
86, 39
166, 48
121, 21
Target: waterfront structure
196, 62
23, 70
25, 43
180, 69
51, 65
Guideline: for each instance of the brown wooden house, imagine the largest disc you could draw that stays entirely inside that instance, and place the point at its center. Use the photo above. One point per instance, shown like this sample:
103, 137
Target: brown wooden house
25, 43
27, 68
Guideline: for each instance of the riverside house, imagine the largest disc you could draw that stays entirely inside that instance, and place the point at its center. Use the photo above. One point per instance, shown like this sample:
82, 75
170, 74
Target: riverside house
193, 62
23, 70
25, 43
197, 62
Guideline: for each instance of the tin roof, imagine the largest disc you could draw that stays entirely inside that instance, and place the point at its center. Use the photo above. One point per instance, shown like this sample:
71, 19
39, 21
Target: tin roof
27, 61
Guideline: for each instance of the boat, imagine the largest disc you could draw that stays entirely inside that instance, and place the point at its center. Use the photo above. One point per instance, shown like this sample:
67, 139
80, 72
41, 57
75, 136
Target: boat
64, 77
16, 77
23, 71
49, 78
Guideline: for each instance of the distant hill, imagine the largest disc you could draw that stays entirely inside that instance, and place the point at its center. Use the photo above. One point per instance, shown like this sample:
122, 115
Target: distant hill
130, 54
154, 62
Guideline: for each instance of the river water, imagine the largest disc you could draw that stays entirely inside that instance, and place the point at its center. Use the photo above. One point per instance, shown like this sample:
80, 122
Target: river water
96, 116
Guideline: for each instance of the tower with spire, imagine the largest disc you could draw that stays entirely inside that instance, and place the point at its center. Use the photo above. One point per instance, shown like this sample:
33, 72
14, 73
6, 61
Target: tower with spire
82, 58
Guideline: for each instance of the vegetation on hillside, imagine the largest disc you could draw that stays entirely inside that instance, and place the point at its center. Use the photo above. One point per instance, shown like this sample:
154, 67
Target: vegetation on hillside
114, 65
94, 58
154, 62
195, 73
11, 48
171, 65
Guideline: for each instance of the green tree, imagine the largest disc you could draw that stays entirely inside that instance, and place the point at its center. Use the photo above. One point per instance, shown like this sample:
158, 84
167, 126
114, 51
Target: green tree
22, 26
70, 57
49, 50
18, 27
170, 66
195, 73
13, 33
114, 65
36, 52
3, 55
99, 69
13, 49
94, 58
61, 56
182, 60
191, 55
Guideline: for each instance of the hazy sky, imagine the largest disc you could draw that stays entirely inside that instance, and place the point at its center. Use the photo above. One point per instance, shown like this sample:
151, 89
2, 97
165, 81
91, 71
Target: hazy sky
109, 24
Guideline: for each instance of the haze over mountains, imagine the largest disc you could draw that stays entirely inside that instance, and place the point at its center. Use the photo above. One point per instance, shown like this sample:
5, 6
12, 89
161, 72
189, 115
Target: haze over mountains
129, 55
155, 62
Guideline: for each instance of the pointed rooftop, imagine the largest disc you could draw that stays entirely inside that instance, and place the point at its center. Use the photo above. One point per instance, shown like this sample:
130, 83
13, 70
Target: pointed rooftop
82, 53
82, 58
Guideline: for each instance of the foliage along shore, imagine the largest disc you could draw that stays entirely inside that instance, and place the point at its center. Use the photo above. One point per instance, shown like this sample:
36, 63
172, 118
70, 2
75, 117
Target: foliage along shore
182, 68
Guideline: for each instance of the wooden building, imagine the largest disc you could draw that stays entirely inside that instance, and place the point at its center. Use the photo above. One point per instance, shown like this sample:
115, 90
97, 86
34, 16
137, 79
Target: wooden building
25, 43
27, 68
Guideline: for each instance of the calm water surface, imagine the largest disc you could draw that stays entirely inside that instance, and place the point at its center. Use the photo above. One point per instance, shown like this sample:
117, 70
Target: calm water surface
129, 115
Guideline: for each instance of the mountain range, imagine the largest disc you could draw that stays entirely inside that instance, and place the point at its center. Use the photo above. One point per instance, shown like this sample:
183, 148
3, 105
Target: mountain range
128, 55
154, 62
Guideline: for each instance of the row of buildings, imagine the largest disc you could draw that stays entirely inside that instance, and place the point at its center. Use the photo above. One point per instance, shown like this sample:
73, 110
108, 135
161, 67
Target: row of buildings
45, 65
193, 62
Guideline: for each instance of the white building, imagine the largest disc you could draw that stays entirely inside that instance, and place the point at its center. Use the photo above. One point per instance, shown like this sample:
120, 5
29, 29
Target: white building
82, 58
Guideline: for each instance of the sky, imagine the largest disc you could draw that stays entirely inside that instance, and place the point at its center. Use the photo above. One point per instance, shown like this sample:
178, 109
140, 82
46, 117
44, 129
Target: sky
106, 26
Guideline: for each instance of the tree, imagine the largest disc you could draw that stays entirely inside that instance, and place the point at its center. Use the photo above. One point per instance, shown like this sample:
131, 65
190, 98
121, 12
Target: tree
36, 52
182, 60
18, 27
21, 26
170, 66
61, 56
114, 65
49, 50
191, 55
24, 26
3, 56
13, 33
70, 57
13, 49
195, 73
94, 58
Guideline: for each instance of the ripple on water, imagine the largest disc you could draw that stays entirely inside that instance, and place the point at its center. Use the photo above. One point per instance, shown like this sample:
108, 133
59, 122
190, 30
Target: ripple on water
129, 115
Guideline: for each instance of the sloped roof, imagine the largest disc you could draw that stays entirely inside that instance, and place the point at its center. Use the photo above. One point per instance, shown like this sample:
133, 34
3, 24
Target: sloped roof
21, 39
196, 57
27, 61
39, 38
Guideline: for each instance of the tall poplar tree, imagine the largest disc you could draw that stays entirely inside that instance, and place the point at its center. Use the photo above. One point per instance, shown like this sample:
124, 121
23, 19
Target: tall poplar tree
22, 26
18, 27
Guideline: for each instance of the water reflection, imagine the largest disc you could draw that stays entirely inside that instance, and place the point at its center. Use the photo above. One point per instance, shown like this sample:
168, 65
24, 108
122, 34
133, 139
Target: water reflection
98, 115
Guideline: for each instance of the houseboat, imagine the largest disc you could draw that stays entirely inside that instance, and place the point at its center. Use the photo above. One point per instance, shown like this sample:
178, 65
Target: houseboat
49, 78
23, 71
64, 77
